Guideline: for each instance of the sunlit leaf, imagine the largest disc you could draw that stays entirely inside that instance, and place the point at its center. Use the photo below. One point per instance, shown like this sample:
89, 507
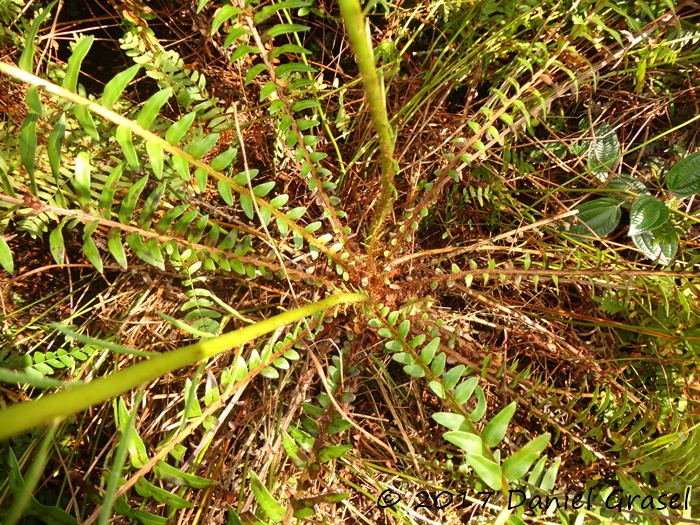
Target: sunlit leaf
268, 504
496, 429
70, 81
683, 179
647, 213
600, 215
115, 87
152, 107
517, 465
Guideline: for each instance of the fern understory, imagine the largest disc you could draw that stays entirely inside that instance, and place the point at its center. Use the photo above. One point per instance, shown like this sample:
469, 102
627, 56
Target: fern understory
164, 189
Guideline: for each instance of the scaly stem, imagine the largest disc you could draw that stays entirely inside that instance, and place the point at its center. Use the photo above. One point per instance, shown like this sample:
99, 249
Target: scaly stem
362, 46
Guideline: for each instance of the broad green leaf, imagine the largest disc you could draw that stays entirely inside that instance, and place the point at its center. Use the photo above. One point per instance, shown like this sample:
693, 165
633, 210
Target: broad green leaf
223, 14
234, 34
108, 191
53, 147
26, 61
438, 364
550, 477
126, 210
279, 201
480, 409
181, 479
223, 160
114, 242
123, 136
489, 472
152, 107
298, 457
81, 181
70, 81
263, 189
456, 422
647, 213
287, 48
404, 327
135, 242
151, 206
175, 132
496, 429
465, 390
414, 370
268, 504
146, 489
115, 87
34, 100
254, 72
56, 244
155, 155
452, 376
269, 10
201, 147
600, 215
27, 146
436, 387
403, 358
659, 245
294, 67
6, 257
468, 442
332, 452
283, 29
628, 184
137, 449
168, 217
242, 51
247, 205
296, 213
517, 465
428, 352
85, 119
683, 179
603, 152
92, 253
182, 166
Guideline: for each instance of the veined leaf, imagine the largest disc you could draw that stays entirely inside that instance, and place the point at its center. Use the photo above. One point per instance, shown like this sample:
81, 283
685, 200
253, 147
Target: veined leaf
26, 61
115, 87
647, 213
274, 510
659, 245
600, 215
70, 81
603, 152
683, 179
152, 107
114, 242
